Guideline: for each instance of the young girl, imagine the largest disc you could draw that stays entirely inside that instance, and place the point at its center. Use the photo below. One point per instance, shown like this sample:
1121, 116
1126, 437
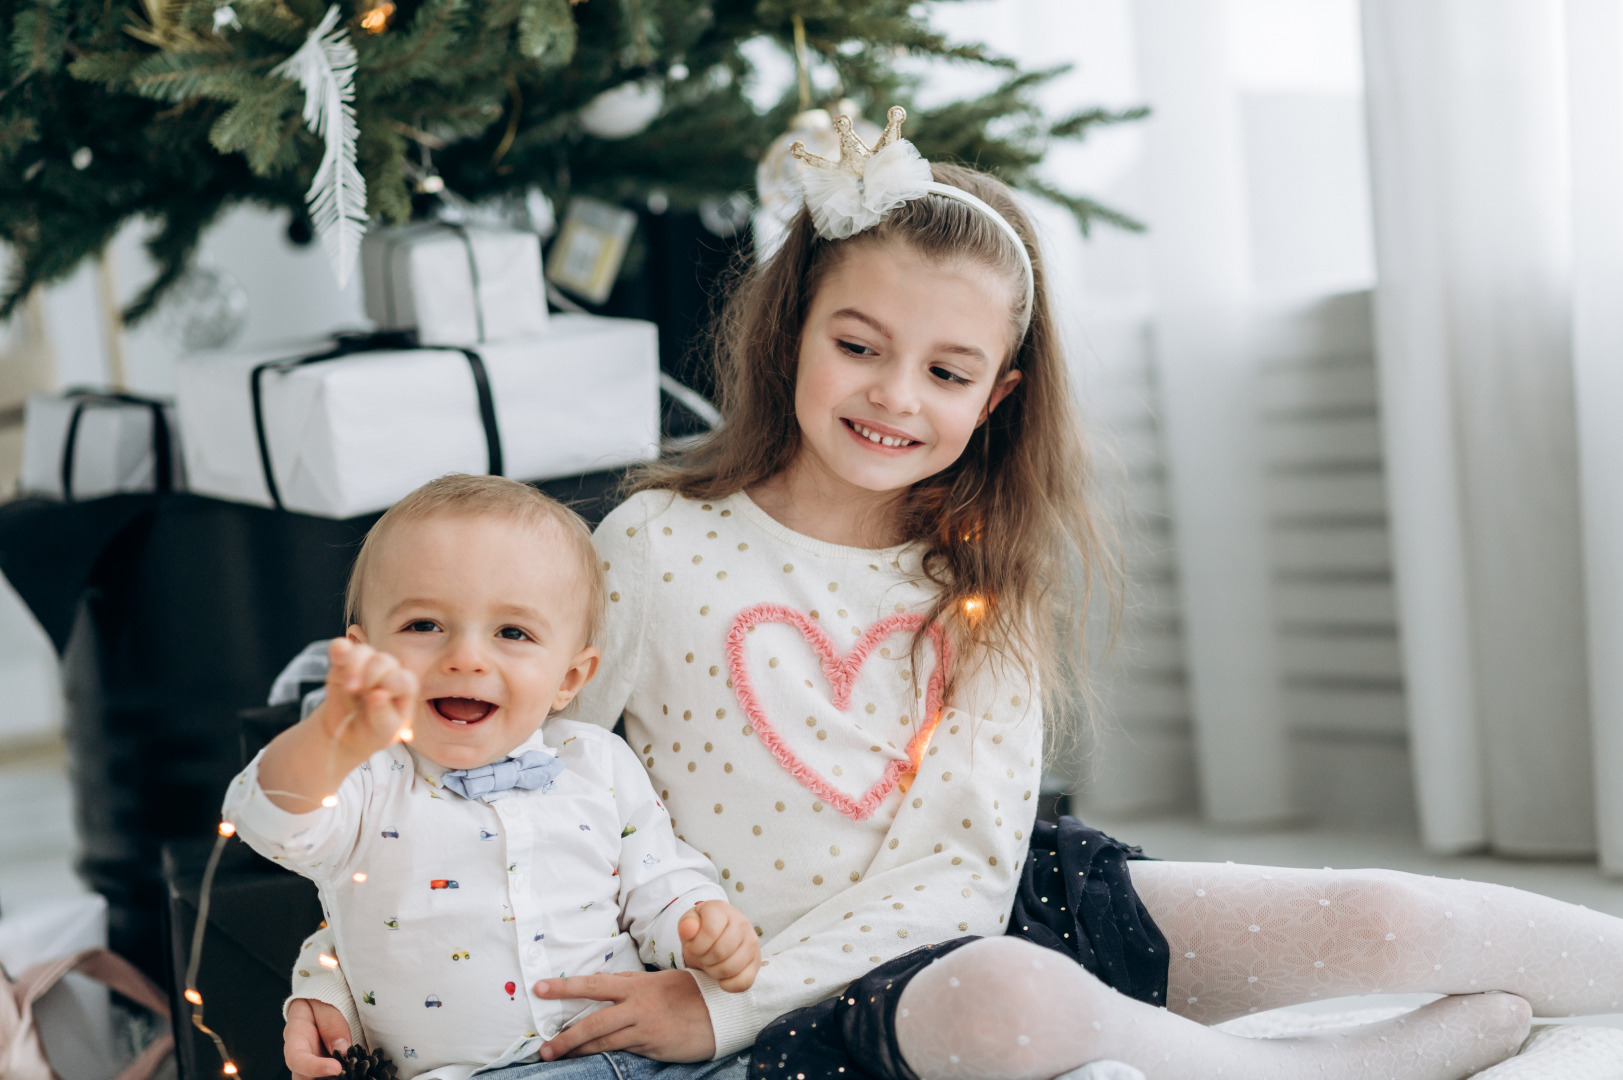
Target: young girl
826, 630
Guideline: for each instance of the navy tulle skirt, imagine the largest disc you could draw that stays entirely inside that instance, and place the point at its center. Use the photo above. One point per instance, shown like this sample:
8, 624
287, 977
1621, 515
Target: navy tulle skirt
1075, 897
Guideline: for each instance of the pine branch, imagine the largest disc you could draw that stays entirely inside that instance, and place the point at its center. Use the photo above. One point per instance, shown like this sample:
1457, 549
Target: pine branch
177, 77
546, 31
257, 126
105, 69
39, 39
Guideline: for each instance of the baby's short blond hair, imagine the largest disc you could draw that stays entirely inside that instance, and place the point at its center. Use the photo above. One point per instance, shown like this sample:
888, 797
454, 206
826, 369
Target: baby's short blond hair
491, 496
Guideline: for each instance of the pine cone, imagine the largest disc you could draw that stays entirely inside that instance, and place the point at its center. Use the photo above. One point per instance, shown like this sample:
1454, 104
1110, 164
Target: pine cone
359, 1065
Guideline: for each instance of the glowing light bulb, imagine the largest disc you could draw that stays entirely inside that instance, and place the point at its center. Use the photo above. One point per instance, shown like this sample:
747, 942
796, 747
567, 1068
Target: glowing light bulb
328, 961
359, 876
404, 735
229, 1068
193, 996
227, 829
329, 801
376, 21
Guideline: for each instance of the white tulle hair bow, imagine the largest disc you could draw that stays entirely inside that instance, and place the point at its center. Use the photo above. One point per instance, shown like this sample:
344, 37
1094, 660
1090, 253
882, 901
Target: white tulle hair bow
854, 193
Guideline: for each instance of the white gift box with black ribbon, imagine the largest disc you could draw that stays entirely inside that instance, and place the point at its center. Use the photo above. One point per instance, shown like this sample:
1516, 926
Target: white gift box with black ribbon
455, 284
348, 428
86, 443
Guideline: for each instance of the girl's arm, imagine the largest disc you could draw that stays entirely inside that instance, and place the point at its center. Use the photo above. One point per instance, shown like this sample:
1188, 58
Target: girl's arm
948, 867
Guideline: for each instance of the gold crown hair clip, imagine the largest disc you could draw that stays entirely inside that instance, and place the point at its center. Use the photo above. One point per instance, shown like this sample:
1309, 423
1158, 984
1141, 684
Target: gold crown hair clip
854, 193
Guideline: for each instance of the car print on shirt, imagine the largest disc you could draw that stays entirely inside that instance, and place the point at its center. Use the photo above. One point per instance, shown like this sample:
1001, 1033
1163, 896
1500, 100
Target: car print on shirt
486, 834
391, 833
433, 1002
585, 827
443, 883
459, 954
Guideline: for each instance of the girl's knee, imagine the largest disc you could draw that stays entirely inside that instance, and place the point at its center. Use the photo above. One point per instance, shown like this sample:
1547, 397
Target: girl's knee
1016, 978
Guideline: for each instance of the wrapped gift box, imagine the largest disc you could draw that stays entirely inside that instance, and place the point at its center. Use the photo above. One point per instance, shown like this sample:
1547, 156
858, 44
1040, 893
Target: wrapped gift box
84, 444
352, 434
455, 284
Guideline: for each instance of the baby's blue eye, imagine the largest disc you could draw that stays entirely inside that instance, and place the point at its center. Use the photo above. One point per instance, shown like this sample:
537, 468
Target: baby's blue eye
422, 626
512, 633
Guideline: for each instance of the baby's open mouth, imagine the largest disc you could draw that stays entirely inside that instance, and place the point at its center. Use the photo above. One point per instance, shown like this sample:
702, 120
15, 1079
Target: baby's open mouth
462, 710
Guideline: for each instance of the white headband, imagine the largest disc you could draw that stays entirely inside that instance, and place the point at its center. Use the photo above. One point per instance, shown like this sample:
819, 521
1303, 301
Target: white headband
855, 193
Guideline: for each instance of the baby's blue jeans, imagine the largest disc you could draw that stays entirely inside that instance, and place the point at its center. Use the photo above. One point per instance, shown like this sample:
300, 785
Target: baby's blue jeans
618, 1065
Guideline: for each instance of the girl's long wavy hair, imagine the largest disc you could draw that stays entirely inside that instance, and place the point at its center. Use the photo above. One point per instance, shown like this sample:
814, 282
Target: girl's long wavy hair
1009, 532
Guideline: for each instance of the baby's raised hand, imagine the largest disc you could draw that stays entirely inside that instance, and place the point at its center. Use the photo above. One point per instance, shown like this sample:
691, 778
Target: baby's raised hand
718, 940
370, 699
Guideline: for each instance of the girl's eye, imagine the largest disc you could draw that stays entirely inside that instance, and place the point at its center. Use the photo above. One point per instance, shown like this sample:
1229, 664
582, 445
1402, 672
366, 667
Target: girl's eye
857, 350
512, 633
422, 626
949, 376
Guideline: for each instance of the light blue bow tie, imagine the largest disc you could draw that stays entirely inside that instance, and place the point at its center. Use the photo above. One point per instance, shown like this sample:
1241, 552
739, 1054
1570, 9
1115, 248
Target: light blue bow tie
531, 769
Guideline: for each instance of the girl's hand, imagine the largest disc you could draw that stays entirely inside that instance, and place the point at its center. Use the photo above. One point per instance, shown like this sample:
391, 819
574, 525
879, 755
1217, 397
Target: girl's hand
718, 940
370, 699
313, 1027
658, 1014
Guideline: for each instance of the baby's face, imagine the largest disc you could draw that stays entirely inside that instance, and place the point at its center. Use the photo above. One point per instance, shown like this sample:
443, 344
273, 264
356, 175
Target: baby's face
490, 615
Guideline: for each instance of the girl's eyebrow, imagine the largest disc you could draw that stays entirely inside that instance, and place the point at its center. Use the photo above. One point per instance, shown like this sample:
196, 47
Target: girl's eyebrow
969, 352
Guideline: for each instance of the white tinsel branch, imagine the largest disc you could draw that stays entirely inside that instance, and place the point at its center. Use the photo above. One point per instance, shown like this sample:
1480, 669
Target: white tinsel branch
325, 67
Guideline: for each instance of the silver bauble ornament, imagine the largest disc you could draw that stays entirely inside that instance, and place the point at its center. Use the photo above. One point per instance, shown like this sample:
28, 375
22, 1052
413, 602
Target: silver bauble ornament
206, 309
622, 111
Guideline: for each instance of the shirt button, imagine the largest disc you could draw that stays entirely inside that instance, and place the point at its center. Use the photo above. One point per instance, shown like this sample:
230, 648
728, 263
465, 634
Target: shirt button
535, 952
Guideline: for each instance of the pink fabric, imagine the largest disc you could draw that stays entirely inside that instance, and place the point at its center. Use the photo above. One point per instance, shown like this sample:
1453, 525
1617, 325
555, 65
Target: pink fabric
842, 674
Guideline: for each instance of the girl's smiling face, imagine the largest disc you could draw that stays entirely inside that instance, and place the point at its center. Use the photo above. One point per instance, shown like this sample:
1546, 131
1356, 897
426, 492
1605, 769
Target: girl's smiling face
900, 361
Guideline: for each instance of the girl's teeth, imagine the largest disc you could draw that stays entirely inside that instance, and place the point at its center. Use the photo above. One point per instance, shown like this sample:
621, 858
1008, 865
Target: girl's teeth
883, 440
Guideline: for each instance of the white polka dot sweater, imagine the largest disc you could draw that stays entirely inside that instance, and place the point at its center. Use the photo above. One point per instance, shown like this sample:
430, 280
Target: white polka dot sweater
767, 684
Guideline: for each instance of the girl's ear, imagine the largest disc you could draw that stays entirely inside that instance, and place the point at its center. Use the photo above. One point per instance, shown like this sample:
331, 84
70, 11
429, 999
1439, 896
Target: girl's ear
1005, 386
356, 634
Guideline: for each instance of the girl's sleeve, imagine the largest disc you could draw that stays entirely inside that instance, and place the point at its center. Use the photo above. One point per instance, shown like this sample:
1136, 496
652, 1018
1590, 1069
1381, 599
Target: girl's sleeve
623, 552
949, 867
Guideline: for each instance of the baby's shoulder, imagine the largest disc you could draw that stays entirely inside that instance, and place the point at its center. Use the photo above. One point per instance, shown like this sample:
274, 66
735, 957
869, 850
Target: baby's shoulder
578, 743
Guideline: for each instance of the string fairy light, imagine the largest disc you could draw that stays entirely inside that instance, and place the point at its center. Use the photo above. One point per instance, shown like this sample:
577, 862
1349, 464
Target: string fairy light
190, 992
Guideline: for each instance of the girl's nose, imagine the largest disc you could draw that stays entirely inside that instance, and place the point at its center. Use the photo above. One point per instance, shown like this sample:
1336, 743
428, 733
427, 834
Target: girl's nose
895, 390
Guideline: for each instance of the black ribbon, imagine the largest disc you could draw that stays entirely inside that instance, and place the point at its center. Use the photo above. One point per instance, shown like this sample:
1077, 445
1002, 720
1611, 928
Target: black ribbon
162, 446
397, 238
383, 341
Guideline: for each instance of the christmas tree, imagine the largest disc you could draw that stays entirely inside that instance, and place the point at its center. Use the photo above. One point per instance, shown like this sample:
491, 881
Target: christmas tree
175, 110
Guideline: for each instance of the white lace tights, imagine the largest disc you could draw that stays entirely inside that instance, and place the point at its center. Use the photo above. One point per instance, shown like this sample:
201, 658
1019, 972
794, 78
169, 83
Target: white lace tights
1246, 938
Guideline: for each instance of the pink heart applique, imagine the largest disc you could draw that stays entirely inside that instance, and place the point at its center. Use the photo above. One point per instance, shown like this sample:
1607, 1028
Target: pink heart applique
842, 674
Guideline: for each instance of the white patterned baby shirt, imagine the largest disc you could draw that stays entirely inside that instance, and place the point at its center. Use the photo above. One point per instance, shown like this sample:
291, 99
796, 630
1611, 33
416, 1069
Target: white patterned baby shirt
445, 911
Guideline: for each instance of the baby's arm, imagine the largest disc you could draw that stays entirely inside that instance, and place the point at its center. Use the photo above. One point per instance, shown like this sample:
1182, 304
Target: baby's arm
369, 704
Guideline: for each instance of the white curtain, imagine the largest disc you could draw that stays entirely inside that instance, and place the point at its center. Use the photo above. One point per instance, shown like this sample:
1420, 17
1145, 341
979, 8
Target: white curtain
1493, 135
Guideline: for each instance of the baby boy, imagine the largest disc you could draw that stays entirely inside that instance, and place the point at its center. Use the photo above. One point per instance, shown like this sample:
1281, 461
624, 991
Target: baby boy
461, 852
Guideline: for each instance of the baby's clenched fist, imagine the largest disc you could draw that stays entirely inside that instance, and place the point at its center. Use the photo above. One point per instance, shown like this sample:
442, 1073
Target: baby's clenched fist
718, 940
370, 698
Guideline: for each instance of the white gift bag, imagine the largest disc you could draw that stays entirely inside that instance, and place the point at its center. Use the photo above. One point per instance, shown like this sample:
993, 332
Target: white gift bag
83, 444
350, 434
72, 1019
455, 284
